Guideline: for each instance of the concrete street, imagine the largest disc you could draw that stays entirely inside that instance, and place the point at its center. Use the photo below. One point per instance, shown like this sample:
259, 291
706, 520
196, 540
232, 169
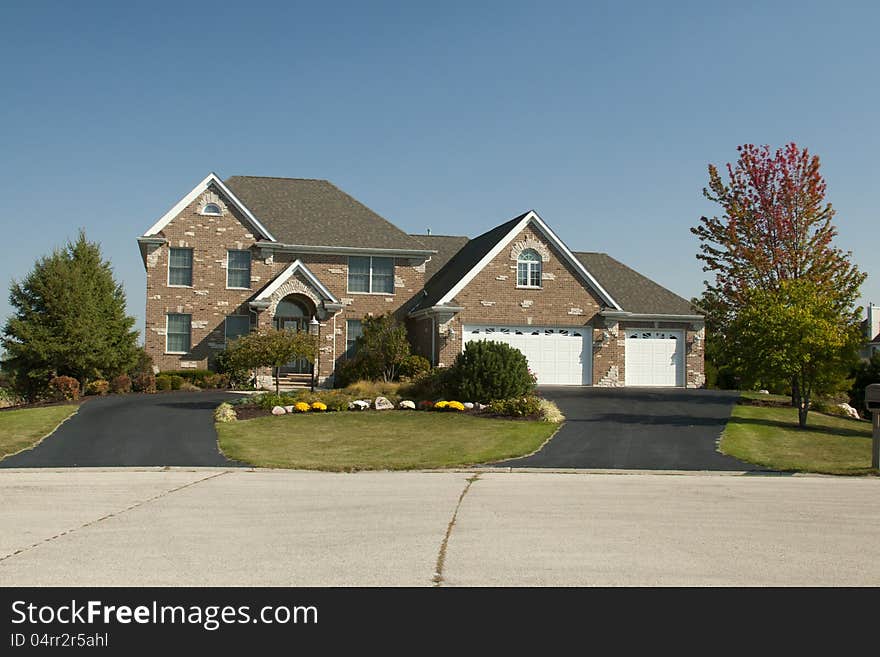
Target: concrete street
213, 526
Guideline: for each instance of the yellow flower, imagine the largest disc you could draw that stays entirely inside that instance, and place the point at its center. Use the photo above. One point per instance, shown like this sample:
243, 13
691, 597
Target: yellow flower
301, 407
456, 406
319, 406
441, 404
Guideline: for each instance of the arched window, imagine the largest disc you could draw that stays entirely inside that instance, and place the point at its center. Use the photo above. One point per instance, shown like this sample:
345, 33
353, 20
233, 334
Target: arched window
528, 269
211, 208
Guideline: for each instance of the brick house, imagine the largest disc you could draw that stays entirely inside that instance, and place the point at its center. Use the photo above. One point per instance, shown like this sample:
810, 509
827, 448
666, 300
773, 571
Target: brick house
251, 252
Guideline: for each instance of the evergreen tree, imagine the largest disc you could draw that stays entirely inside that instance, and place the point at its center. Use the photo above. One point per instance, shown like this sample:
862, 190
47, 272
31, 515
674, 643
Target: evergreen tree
69, 319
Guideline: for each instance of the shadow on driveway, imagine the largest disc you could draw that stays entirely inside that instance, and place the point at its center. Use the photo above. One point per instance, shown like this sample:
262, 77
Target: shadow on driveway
175, 428
639, 429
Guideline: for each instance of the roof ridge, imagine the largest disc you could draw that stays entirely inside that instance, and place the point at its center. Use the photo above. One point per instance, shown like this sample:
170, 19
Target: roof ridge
436, 235
283, 178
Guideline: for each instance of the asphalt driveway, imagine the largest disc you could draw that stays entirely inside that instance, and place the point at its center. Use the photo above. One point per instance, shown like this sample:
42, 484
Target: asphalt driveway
637, 428
174, 428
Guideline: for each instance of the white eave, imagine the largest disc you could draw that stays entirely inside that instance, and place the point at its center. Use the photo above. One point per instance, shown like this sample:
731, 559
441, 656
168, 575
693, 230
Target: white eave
211, 179
278, 247
553, 238
284, 276
622, 314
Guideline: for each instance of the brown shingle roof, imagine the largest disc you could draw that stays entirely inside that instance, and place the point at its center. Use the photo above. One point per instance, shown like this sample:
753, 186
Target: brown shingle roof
317, 213
446, 246
634, 292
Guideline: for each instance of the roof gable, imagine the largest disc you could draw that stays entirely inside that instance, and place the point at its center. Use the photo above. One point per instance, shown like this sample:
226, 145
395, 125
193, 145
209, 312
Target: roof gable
480, 251
310, 212
284, 276
210, 180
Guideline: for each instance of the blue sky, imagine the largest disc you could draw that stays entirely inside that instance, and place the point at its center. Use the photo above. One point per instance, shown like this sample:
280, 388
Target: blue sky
453, 116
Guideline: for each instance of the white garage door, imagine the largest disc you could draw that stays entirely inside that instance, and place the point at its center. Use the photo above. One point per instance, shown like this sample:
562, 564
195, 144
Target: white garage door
654, 358
557, 356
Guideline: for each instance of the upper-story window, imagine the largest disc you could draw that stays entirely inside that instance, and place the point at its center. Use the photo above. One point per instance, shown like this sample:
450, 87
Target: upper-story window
528, 269
238, 269
212, 208
180, 267
369, 274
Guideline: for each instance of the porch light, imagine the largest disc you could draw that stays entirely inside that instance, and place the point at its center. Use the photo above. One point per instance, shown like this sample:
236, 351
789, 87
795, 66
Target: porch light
313, 326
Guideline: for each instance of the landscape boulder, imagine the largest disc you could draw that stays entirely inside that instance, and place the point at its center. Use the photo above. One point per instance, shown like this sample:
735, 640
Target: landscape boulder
383, 404
278, 410
407, 405
358, 405
849, 410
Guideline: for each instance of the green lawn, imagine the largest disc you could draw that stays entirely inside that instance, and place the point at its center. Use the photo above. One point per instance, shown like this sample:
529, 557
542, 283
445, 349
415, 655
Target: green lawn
21, 428
392, 440
771, 437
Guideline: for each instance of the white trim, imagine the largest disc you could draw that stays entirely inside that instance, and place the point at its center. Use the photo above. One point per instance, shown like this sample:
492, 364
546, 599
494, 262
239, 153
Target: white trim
210, 179
270, 289
250, 268
345, 250
370, 278
530, 216
178, 353
168, 282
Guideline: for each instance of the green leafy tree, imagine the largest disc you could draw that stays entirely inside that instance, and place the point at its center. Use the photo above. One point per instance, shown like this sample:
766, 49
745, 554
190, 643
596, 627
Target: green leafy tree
795, 333
383, 346
271, 348
775, 226
69, 320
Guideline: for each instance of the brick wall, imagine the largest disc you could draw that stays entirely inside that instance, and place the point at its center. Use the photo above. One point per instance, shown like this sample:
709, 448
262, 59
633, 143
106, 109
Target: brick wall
209, 301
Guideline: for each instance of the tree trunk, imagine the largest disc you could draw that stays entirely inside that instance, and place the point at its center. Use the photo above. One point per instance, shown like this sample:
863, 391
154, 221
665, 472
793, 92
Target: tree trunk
796, 397
803, 410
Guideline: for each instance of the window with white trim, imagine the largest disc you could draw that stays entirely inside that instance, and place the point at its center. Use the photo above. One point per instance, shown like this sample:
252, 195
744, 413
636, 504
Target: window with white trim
212, 209
353, 330
528, 269
178, 333
236, 326
238, 269
180, 267
371, 275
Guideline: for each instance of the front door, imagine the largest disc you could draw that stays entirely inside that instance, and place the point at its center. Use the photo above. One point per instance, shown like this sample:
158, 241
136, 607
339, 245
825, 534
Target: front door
296, 324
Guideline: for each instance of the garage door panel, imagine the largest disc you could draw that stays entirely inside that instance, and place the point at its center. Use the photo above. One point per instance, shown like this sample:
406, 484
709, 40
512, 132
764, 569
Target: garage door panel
557, 356
654, 358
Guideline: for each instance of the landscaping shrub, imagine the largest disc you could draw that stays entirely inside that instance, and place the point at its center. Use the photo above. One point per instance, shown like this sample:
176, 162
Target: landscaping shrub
319, 406
143, 364
527, 406
425, 405
352, 370
373, 389
143, 382
186, 386
430, 385
98, 387
195, 377
8, 398
235, 377
268, 400
120, 384
414, 367
176, 381
550, 412
64, 388
485, 371
163, 382
448, 406
225, 413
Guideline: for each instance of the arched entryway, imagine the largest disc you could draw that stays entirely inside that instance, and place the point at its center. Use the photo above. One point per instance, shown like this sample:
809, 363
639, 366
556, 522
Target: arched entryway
293, 313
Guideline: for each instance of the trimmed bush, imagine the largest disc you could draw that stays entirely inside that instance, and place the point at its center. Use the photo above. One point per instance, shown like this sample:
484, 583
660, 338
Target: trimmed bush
176, 381
528, 406
196, 377
234, 377
143, 382
120, 384
64, 388
414, 367
486, 371
163, 382
98, 387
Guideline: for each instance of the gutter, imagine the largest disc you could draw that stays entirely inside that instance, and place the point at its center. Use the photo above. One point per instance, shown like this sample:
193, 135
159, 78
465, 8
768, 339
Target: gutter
436, 310
353, 250
622, 314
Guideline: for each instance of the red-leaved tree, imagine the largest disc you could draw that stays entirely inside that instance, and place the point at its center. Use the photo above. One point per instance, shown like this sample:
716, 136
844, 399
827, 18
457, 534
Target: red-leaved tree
776, 226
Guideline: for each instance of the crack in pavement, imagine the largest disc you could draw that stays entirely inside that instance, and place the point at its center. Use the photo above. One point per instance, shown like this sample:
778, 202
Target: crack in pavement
112, 515
441, 556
